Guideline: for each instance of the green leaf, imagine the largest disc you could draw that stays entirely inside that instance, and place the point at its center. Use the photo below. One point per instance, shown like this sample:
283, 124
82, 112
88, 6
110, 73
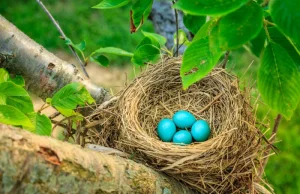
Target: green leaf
110, 4
140, 11
209, 7
16, 96
12, 116
80, 47
148, 40
19, 80
4, 76
49, 100
204, 30
70, 96
160, 39
69, 113
278, 80
193, 23
257, 44
114, 51
285, 14
277, 37
145, 53
41, 124
239, 27
214, 43
101, 59
182, 38
198, 60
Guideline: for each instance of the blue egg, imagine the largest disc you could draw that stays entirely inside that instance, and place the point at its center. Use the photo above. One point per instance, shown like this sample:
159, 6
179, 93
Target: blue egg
183, 119
200, 131
166, 130
182, 137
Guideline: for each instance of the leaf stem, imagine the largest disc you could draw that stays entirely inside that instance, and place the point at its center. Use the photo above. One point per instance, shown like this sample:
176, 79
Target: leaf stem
63, 36
225, 60
266, 29
43, 107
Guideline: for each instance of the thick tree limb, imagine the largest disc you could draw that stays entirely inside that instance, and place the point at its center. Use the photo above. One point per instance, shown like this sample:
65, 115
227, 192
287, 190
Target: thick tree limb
44, 73
36, 164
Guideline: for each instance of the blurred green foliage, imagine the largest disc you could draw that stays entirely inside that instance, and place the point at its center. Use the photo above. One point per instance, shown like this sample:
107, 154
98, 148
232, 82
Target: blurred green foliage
101, 28
283, 170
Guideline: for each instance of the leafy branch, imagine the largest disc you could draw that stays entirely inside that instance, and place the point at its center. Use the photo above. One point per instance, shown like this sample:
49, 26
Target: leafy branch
64, 37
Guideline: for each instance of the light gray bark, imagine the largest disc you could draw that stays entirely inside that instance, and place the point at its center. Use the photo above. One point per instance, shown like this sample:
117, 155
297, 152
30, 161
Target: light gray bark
163, 18
44, 73
34, 164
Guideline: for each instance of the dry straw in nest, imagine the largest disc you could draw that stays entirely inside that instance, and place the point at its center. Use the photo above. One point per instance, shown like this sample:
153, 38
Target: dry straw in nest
226, 163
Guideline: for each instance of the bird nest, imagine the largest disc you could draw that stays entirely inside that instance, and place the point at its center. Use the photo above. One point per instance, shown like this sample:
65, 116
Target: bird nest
225, 163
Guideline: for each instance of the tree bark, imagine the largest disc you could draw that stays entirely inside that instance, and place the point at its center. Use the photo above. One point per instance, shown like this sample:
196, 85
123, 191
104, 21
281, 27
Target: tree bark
164, 22
36, 164
44, 73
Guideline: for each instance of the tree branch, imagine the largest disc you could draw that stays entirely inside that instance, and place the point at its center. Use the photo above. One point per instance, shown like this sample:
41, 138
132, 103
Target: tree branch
31, 163
82, 65
44, 73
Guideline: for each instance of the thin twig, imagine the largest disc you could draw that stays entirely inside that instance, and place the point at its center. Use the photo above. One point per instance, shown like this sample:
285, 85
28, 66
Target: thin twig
63, 36
225, 60
177, 30
271, 140
54, 115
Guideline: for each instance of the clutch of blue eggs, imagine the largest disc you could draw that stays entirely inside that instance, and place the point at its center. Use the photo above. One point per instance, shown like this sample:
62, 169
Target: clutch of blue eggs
183, 129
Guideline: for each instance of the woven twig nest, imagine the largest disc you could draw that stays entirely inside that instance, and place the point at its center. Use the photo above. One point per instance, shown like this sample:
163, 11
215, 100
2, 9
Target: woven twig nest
225, 163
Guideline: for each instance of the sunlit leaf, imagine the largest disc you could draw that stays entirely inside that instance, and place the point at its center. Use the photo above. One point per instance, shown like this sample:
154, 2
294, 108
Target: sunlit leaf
182, 38
4, 76
209, 7
41, 124
145, 53
12, 116
204, 30
160, 39
278, 80
69, 112
71, 96
198, 60
110, 4
80, 47
16, 96
114, 51
148, 40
